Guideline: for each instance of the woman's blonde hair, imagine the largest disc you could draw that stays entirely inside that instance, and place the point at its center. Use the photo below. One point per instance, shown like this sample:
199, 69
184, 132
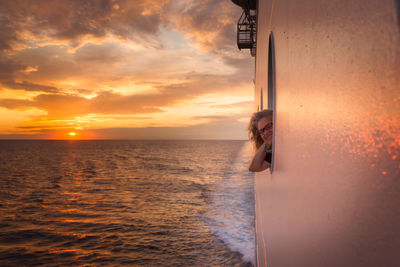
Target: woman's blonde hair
254, 135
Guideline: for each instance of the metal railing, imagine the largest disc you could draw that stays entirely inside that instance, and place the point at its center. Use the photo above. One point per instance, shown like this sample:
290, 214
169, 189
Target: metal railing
247, 31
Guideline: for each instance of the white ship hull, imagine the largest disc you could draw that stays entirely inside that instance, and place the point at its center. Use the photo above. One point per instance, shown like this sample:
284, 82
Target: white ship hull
334, 194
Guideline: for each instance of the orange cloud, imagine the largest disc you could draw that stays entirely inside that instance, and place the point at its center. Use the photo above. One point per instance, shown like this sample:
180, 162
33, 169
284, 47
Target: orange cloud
81, 63
210, 23
75, 19
28, 86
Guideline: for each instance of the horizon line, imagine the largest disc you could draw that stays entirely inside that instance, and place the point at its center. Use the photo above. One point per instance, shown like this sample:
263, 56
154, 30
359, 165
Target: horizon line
110, 139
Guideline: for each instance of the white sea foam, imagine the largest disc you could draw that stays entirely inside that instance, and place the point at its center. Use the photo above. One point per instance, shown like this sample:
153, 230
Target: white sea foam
231, 217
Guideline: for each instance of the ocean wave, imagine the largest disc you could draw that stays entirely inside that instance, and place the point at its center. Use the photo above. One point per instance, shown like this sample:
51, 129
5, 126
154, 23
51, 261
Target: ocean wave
112, 203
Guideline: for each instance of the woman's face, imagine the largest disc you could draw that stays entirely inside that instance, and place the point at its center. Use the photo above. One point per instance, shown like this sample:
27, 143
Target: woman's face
264, 127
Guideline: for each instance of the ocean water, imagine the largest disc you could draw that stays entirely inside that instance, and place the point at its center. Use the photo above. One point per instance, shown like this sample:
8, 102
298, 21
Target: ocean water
126, 203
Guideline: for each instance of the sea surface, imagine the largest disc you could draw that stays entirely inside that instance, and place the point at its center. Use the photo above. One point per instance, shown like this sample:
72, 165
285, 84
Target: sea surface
126, 203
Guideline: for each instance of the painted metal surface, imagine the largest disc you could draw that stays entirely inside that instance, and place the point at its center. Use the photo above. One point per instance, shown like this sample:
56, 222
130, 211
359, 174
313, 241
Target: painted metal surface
333, 197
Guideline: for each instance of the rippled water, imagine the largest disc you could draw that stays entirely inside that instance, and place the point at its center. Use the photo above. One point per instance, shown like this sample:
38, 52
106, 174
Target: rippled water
133, 203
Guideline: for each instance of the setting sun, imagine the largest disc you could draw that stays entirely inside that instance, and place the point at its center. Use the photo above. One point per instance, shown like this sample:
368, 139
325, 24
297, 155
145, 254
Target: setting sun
56, 78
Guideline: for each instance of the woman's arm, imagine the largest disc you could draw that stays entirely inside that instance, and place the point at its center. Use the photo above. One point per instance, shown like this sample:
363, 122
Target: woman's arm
258, 162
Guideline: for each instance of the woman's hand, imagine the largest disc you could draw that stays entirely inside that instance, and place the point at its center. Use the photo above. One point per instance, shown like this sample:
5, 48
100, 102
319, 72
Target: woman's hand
258, 162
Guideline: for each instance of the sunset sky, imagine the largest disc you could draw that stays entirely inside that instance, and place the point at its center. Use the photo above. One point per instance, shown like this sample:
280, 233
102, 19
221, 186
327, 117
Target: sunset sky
123, 69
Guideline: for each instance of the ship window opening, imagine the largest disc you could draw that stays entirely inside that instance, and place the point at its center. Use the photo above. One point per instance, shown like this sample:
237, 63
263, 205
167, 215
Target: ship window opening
271, 92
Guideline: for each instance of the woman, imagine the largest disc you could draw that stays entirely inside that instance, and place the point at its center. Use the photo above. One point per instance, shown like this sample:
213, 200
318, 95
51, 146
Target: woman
260, 132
